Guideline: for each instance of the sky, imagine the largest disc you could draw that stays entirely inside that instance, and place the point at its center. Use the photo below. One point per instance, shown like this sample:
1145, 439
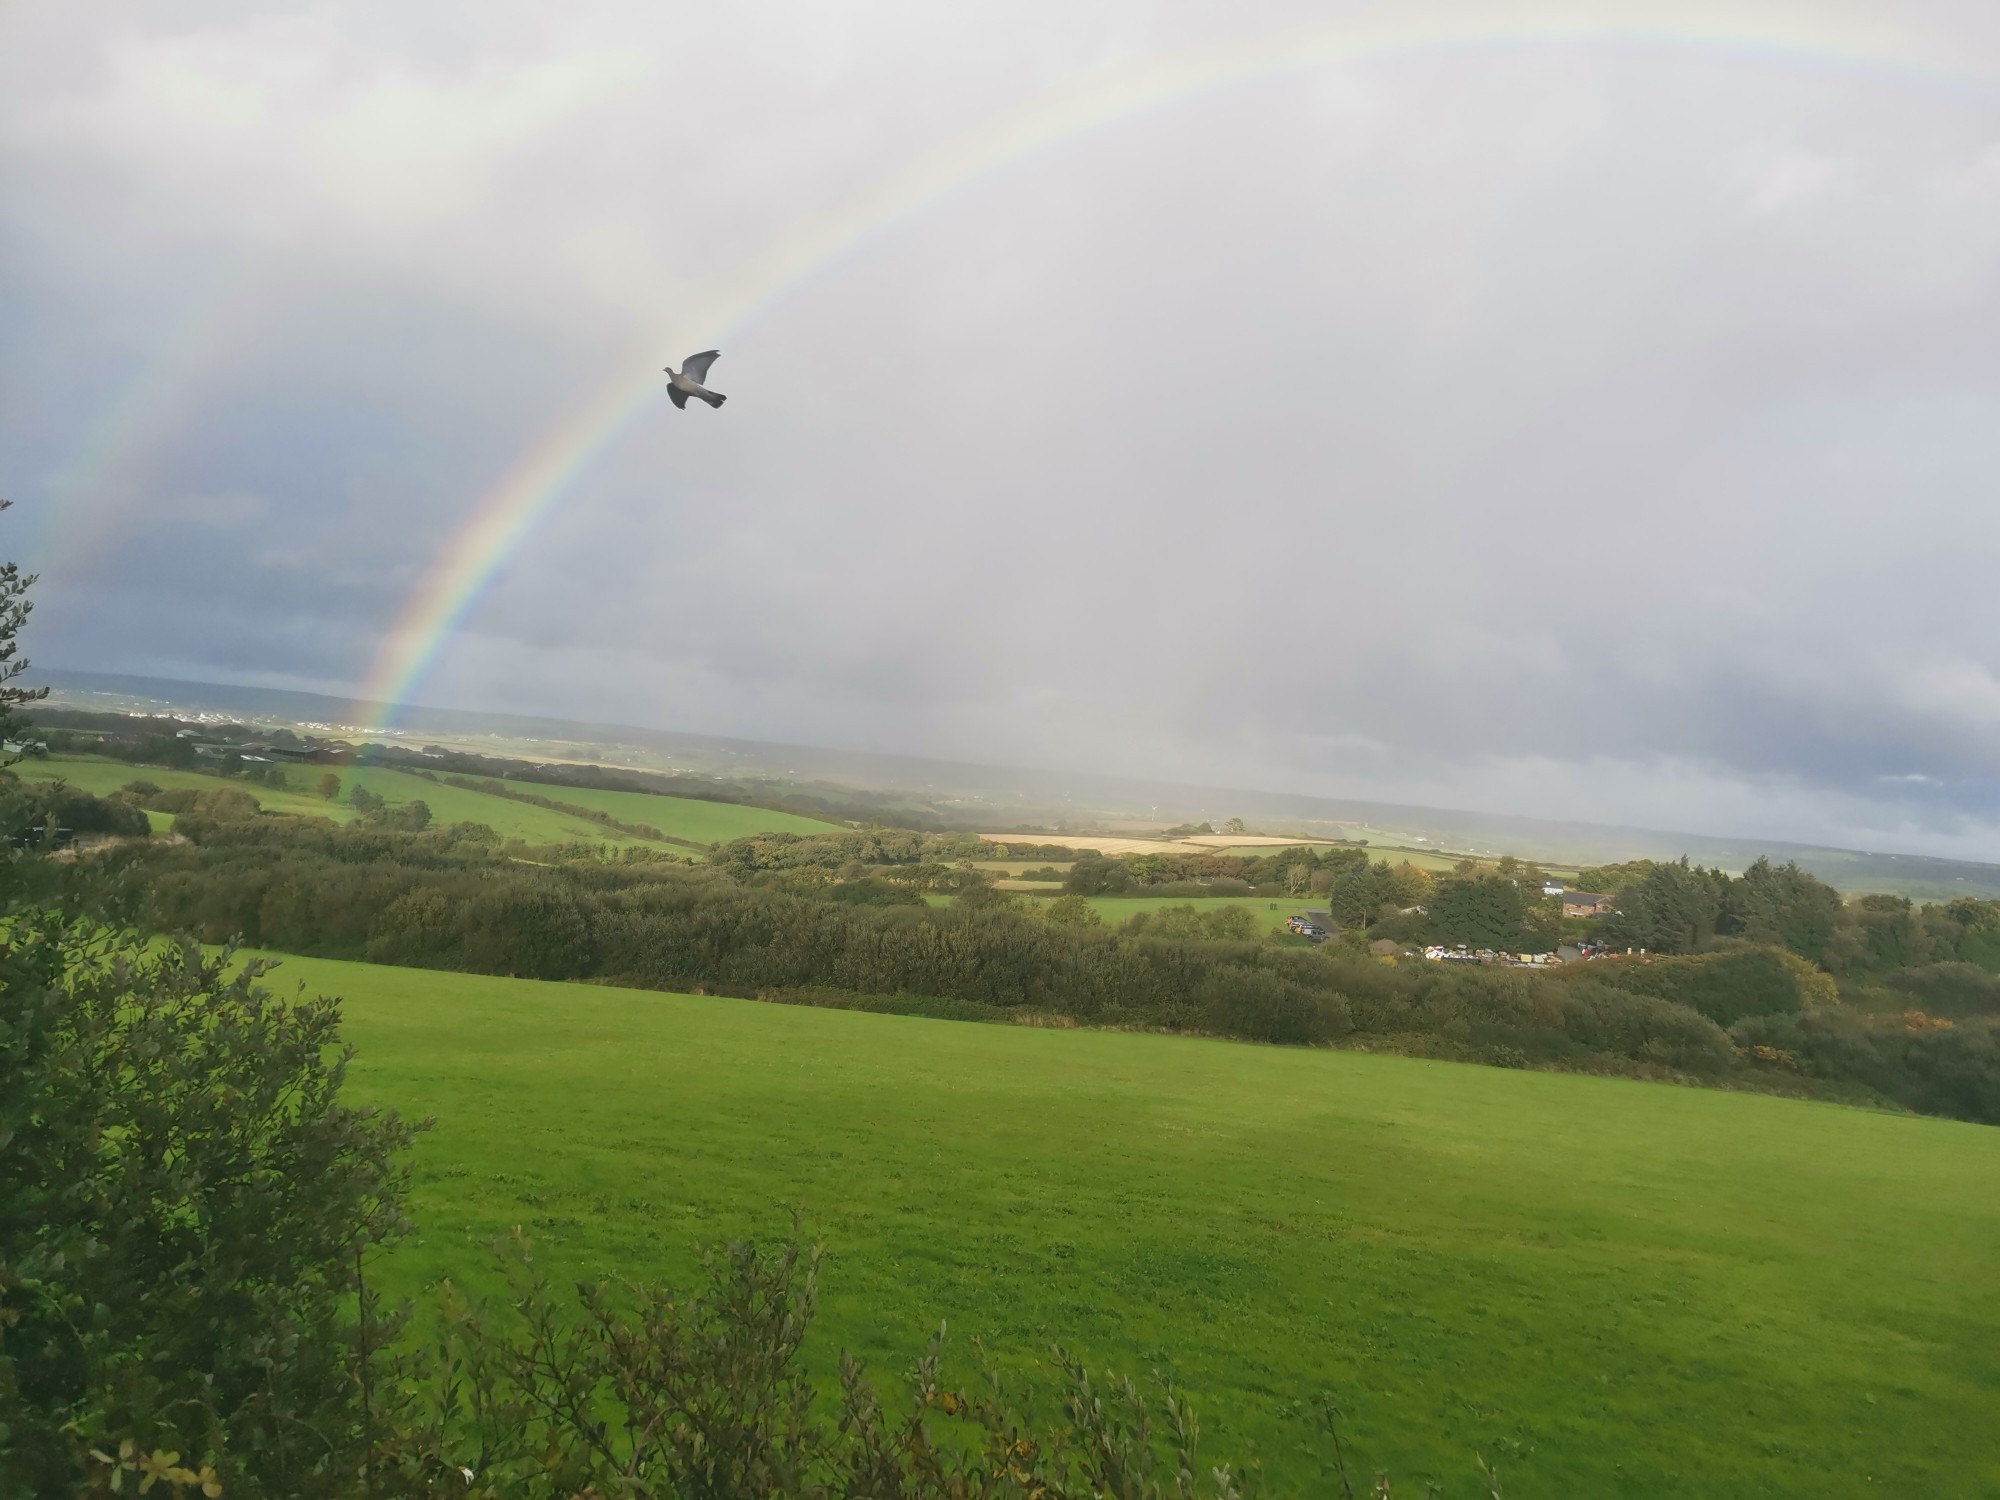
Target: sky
1581, 411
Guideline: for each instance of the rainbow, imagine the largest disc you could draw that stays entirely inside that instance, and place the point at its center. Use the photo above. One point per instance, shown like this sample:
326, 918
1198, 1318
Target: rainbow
106, 468
551, 464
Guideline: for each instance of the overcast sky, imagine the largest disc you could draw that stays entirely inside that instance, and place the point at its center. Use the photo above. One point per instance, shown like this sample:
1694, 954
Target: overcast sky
1589, 427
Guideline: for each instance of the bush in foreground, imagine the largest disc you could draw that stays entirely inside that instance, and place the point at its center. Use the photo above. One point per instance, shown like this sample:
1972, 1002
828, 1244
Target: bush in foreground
183, 1199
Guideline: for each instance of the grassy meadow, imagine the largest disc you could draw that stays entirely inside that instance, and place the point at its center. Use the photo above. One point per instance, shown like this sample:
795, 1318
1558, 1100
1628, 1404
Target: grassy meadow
100, 776
1270, 911
1607, 1288
681, 817
686, 817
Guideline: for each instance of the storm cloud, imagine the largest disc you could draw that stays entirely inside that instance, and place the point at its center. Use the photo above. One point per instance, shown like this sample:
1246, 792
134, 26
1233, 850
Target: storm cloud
1586, 424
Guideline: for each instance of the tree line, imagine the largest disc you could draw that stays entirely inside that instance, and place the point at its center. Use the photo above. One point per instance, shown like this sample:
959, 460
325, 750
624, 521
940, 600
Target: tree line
454, 898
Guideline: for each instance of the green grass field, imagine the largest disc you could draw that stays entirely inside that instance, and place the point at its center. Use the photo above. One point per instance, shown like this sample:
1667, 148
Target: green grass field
685, 817
1607, 1288
1270, 911
448, 804
509, 819
99, 776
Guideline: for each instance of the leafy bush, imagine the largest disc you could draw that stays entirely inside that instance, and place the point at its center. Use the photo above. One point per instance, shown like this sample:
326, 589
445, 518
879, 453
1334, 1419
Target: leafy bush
1948, 989
1222, 924
1094, 875
223, 803
1724, 986
872, 890
645, 1391
29, 810
183, 1205
1938, 1067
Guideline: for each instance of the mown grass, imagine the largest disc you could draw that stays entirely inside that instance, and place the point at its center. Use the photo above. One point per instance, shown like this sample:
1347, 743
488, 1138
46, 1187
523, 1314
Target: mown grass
1607, 1288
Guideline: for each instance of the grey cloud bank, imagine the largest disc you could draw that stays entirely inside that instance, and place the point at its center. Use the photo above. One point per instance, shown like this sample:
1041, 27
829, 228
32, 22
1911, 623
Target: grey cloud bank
1589, 429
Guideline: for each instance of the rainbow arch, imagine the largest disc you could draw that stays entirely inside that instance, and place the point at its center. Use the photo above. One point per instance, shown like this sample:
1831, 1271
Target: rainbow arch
549, 465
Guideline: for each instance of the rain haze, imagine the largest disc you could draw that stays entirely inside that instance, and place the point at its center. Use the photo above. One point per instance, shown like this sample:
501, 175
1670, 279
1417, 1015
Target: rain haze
1576, 411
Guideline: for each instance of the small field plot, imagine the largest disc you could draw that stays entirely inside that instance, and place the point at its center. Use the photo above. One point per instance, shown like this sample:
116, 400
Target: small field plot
1241, 843
509, 819
1270, 911
1606, 1288
448, 804
1097, 843
684, 817
1423, 859
100, 776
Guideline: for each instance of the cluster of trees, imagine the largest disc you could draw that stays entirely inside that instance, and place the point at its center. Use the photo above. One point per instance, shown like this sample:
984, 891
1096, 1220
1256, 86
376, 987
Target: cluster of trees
413, 816
1484, 911
862, 849
45, 814
1682, 908
1360, 892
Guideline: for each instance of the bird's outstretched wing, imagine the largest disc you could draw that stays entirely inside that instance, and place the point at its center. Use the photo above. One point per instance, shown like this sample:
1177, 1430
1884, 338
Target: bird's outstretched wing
678, 396
695, 367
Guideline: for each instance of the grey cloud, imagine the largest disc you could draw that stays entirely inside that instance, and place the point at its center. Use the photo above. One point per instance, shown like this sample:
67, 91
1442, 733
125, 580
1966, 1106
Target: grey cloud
1592, 430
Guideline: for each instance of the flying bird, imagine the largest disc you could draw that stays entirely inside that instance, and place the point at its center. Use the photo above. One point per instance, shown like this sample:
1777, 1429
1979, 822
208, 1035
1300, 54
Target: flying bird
687, 381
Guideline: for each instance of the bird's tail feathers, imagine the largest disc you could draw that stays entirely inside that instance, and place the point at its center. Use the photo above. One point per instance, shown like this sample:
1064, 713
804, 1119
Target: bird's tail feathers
713, 398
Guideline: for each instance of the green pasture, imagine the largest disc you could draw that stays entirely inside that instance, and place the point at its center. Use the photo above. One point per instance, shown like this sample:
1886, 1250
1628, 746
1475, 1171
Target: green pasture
685, 817
448, 804
451, 804
1270, 911
99, 776
1423, 859
1606, 1288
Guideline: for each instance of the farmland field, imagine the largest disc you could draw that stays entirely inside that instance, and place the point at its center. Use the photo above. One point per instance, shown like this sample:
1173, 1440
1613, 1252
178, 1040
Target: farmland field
1270, 911
93, 774
1606, 1288
684, 817
448, 804
451, 804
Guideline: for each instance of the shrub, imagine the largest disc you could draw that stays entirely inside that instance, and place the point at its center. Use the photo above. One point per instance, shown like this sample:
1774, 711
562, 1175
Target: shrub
1094, 875
30, 811
1948, 989
645, 1391
182, 1203
1944, 1069
1222, 924
1724, 986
